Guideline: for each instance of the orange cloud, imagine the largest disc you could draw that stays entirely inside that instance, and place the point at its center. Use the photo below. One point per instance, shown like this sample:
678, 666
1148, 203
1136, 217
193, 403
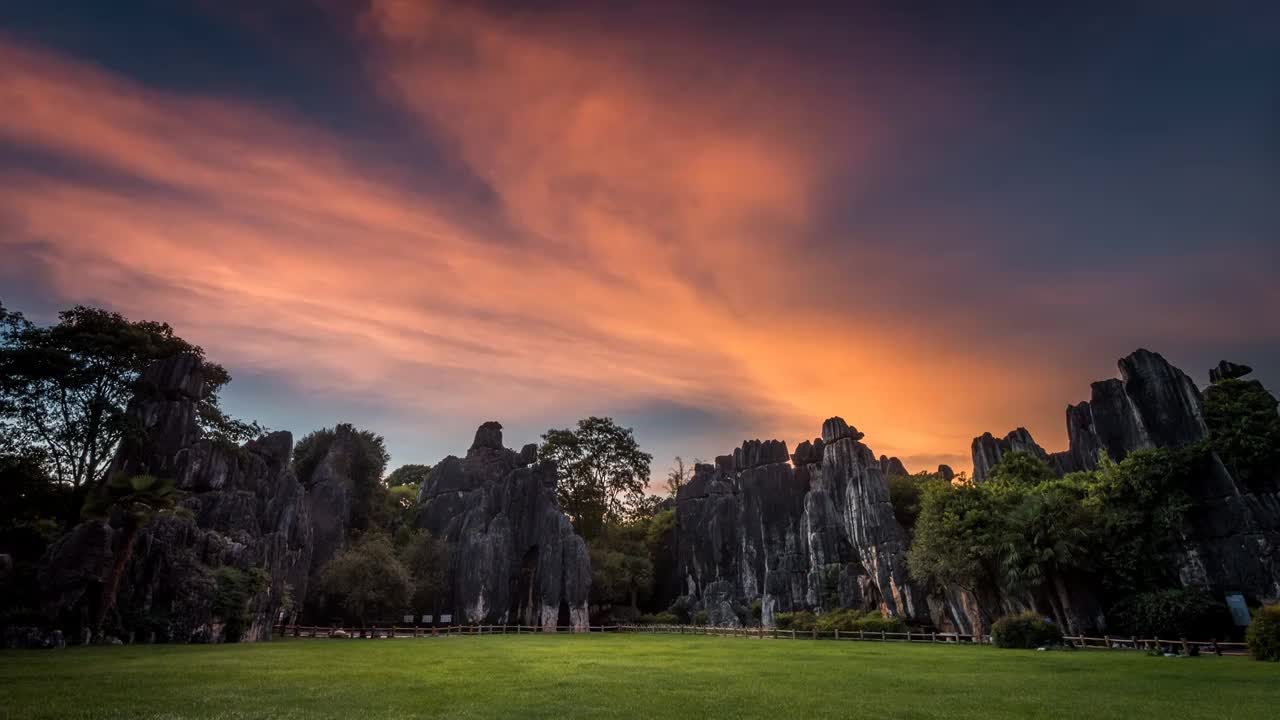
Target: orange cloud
655, 208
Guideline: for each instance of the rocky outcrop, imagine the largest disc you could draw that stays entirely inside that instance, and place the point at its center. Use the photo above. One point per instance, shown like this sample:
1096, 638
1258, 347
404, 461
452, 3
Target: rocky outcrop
818, 533
515, 557
1233, 539
1227, 370
988, 450
242, 509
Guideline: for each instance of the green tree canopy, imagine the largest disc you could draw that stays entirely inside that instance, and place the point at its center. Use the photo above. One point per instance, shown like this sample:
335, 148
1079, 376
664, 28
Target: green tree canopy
603, 473
427, 560
1244, 429
64, 388
366, 581
413, 475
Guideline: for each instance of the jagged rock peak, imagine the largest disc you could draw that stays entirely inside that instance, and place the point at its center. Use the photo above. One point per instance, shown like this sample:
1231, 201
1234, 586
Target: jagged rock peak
946, 473
1227, 370
835, 428
755, 453
175, 378
488, 435
808, 453
892, 466
988, 450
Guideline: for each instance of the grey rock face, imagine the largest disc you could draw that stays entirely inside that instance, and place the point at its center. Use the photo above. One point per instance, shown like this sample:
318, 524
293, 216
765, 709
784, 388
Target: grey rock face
1228, 371
244, 509
1233, 542
946, 473
515, 557
816, 534
988, 450
892, 466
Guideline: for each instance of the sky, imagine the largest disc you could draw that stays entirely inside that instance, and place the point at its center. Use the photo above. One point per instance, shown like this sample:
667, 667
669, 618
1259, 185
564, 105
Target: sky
709, 223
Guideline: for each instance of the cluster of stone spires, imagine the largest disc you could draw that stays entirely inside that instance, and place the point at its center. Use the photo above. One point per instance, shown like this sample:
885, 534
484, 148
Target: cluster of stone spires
755, 527
790, 530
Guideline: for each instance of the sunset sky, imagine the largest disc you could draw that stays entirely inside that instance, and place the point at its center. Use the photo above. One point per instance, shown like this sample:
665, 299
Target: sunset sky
709, 225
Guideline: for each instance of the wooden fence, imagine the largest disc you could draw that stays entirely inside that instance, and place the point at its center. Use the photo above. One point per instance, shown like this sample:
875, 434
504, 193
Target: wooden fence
1181, 645
1109, 642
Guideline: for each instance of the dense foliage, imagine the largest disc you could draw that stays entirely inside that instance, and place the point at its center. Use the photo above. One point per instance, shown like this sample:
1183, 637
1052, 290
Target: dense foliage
1026, 533
235, 589
64, 389
1244, 429
367, 581
1263, 636
1171, 613
603, 473
427, 560
845, 620
1026, 631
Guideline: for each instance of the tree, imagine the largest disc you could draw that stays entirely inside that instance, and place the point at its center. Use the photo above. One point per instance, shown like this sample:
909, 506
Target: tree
64, 389
138, 499
679, 475
413, 475
957, 538
1244, 429
427, 560
603, 473
621, 569
367, 580
1019, 470
904, 494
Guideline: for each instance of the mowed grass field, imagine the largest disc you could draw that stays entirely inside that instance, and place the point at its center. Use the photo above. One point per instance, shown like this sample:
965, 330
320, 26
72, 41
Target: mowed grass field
624, 676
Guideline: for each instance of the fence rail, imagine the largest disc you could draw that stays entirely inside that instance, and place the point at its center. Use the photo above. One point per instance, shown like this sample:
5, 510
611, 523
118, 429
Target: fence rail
1107, 642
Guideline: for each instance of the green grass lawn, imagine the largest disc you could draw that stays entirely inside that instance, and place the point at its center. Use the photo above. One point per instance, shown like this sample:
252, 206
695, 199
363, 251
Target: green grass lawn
624, 676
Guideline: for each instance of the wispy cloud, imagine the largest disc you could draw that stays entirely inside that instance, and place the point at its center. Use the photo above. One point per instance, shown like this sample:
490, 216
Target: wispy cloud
659, 240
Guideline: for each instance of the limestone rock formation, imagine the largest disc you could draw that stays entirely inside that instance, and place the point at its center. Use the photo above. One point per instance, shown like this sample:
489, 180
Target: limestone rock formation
1233, 543
243, 508
818, 533
1227, 370
946, 473
988, 450
515, 556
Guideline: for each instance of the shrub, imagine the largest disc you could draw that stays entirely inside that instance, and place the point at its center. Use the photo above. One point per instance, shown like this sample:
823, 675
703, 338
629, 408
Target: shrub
845, 619
757, 611
662, 618
802, 620
1264, 634
1172, 614
700, 617
1026, 631
876, 623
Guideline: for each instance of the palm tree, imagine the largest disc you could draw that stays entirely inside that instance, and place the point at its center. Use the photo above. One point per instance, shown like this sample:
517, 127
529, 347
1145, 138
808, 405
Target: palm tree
139, 498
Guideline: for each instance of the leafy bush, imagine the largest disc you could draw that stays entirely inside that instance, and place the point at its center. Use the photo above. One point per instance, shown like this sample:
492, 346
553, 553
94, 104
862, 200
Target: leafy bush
845, 619
1172, 614
680, 608
876, 623
662, 618
1264, 634
757, 611
1027, 631
700, 617
802, 620
235, 588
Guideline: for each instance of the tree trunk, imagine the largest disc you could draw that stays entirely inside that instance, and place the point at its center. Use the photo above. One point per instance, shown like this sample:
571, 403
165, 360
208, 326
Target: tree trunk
112, 584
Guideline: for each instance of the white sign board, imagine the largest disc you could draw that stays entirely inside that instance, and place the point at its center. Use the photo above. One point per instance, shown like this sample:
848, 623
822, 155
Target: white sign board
408, 619
446, 618
426, 618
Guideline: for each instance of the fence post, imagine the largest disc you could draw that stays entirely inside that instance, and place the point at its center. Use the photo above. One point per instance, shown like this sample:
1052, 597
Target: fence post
882, 637
862, 634
908, 634
1186, 649
837, 633
933, 637
815, 632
